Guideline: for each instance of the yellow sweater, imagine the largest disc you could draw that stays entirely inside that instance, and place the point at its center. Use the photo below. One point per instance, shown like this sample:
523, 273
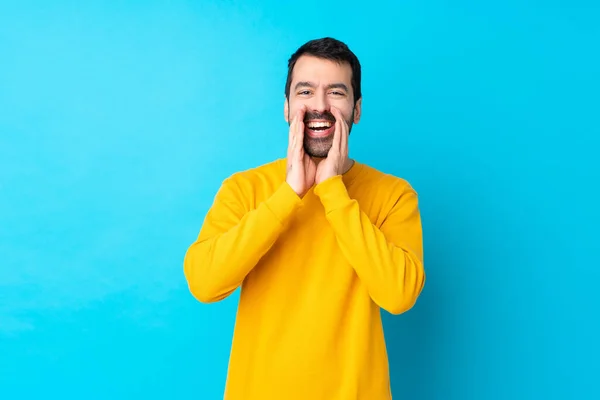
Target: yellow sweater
314, 274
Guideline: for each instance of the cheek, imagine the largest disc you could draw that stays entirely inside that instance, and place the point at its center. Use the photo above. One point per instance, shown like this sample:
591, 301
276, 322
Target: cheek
346, 109
348, 114
293, 108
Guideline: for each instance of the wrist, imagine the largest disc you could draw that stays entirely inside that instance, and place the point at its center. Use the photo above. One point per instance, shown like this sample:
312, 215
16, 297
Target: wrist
327, 182
333, 193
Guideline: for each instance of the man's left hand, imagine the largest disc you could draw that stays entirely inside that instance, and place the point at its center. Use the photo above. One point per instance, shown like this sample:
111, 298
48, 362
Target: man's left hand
337, 157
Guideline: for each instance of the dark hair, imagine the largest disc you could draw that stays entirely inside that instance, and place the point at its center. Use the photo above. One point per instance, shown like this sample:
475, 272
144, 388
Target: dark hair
329, 49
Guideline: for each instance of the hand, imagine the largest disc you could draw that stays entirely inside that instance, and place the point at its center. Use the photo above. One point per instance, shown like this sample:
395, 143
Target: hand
301, 169
337, 158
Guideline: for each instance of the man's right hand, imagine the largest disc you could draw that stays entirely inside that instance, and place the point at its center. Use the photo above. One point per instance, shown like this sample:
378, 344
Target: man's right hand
301, 168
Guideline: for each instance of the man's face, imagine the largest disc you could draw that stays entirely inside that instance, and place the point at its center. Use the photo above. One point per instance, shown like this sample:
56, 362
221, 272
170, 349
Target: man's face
319, 84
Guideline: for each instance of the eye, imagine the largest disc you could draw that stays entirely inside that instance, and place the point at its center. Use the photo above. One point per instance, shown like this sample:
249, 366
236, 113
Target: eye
336, 93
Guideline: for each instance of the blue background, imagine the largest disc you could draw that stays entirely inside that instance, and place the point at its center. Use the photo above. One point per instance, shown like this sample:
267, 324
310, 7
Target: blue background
119, 120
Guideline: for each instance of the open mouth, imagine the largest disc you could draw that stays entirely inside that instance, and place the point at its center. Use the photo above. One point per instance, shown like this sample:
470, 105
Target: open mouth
319, 128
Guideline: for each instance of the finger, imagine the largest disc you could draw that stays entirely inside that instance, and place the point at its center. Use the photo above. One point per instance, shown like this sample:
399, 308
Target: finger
299, 130
337, 134
292, 126
300, 124
302, 112
345, 131
344, 138
291, 135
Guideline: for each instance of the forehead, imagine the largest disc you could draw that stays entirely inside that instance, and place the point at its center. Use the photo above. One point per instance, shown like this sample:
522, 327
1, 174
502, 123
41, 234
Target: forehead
321, 71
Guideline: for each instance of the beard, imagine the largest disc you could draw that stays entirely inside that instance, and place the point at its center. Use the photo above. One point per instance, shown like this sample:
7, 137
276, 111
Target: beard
318, 147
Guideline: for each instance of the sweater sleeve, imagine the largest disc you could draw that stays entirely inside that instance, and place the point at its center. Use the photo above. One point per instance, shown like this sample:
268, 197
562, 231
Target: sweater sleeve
389, 259
232, 240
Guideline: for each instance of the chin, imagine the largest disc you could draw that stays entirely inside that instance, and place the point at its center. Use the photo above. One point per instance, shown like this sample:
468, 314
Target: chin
317, 148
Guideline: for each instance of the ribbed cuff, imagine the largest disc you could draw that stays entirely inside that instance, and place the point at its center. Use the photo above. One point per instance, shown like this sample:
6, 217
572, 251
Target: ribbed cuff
333, 193
283, 202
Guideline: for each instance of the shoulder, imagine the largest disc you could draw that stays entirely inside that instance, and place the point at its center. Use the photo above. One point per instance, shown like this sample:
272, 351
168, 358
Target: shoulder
253, 185
383, 194
384, 182
267, 172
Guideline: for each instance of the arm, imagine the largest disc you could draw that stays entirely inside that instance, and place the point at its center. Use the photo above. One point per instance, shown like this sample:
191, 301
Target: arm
232, 240
388, 260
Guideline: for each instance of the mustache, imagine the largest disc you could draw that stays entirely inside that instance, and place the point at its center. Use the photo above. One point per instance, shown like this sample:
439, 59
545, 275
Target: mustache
327, 116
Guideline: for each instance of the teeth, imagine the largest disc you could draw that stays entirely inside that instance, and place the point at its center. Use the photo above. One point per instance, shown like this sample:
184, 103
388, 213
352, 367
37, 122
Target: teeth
319, 124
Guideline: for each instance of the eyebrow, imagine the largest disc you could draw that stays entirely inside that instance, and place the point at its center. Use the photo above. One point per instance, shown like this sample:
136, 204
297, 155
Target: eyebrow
312, 85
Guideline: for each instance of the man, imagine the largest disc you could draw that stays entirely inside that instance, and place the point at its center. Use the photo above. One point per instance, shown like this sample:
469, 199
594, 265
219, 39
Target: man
319, 244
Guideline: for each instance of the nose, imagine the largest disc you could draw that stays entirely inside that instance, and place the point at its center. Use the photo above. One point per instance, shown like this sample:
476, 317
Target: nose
321, 103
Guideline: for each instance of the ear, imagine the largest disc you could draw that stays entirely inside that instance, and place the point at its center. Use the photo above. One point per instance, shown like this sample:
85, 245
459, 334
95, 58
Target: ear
286, 109
357, 110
